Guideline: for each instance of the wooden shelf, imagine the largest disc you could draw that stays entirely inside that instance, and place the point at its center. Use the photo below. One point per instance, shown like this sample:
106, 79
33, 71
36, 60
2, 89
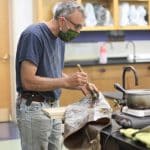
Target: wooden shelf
114, 9
43, 11
98, 28
110, 28
134, 0
135, 28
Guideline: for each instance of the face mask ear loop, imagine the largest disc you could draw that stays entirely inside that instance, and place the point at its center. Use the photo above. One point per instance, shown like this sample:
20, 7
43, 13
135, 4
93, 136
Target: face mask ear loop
61, 23
64, 19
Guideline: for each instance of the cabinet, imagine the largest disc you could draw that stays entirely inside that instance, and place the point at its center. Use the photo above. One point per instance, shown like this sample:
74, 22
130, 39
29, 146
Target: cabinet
5, 88
71, 96
143, 72
43, 11
104, 77
115, 10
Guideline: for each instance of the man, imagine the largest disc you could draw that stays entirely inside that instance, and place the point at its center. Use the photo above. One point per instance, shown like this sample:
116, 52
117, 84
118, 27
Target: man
39, 77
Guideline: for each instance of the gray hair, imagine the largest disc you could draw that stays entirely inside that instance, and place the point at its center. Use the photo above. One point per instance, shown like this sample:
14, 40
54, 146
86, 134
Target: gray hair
66, 8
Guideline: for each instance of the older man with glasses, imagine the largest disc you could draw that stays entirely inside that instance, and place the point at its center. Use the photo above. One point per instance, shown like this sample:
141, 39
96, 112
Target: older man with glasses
39, 76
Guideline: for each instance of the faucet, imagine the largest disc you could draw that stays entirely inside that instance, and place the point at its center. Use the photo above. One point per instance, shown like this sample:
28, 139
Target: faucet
134, 49
128, 68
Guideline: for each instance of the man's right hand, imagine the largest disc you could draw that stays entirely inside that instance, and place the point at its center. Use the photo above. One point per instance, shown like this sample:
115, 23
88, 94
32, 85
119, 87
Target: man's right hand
75, 80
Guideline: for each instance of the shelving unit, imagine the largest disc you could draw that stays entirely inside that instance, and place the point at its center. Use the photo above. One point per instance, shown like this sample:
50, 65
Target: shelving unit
146, 4
43, 11
113, 7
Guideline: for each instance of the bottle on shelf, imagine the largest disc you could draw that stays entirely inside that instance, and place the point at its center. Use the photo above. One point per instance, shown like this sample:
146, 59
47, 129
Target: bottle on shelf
103, 54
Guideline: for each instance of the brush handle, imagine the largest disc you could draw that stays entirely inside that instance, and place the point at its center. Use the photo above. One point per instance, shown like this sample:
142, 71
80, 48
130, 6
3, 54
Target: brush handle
79, 67
91, 90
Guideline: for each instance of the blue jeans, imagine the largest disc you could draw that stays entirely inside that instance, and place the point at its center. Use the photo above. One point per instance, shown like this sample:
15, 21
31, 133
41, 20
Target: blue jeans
38, 131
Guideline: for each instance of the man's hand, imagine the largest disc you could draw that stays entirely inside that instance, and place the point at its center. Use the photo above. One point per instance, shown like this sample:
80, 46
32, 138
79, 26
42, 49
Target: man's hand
89, 87
86, 89
76, 80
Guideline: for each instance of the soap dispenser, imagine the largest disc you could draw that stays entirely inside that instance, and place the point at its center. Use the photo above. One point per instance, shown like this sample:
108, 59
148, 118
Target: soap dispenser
103, 54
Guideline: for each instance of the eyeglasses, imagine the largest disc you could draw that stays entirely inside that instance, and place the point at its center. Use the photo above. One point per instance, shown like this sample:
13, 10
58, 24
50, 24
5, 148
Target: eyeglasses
76, 26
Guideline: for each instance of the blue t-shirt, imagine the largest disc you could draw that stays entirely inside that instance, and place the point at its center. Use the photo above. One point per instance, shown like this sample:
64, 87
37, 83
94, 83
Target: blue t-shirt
38, 45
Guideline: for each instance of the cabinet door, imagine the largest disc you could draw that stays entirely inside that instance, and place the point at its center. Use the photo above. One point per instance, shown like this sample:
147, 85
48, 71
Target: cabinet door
70, 96
104, 77
5, 98
143, 73
106, 84
144, 82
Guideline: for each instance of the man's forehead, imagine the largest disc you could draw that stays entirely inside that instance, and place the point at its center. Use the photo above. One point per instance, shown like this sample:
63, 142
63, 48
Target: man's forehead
77, 16
76, 13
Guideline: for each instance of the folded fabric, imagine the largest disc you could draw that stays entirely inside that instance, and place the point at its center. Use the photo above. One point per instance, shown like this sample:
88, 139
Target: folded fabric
82, 124
141, 135
90, 15
128, 132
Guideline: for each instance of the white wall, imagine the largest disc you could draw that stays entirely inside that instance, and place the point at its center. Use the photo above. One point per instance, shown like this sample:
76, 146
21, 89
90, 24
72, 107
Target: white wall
20, 17
90, 51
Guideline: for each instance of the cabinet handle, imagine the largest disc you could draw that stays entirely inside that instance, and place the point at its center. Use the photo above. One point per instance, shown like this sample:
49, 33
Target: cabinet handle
148, 67
102, 70
5, 57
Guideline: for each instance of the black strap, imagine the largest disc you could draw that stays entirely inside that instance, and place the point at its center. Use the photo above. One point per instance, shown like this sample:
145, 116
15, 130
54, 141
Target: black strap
29, 101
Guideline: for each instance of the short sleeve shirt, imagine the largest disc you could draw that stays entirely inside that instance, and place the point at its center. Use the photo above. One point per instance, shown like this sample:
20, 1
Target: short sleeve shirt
38, 45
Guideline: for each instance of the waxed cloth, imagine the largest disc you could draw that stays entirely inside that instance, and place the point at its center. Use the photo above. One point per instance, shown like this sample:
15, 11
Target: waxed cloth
83, 123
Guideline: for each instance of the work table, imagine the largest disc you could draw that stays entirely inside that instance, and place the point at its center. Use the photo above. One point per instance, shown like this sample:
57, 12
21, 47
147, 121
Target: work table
104, 76
112, 139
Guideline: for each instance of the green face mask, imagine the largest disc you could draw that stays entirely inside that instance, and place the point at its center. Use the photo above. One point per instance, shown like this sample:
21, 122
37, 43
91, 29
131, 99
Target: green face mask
68, 36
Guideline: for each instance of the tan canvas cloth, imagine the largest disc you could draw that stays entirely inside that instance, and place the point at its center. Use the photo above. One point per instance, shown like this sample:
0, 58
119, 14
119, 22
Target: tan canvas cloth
83, 124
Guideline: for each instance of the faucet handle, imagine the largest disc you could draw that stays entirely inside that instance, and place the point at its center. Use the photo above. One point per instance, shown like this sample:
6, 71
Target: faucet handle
134, 49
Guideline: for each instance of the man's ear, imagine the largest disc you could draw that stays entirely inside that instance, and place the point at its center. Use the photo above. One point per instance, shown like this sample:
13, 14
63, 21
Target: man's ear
61, 21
